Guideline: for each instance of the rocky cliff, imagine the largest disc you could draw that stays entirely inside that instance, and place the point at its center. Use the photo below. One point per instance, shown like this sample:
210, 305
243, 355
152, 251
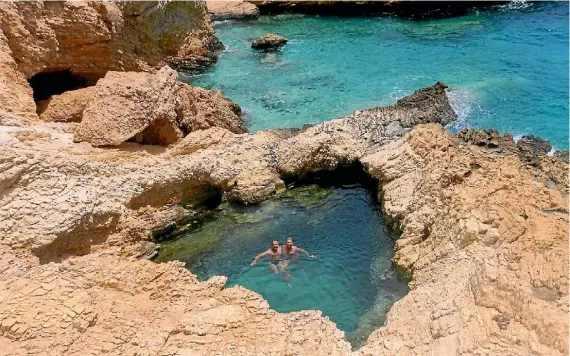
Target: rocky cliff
63, 45
484, 238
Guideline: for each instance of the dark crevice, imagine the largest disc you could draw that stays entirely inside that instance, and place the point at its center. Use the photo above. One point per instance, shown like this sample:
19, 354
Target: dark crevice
46, 84
345, 175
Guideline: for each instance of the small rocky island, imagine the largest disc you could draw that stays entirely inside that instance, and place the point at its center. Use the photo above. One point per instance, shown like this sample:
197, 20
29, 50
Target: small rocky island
269, 42
90, 177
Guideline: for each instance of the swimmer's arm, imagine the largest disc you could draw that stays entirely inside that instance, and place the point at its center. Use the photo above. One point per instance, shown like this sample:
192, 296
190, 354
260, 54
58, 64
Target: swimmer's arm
258, 257
305, 252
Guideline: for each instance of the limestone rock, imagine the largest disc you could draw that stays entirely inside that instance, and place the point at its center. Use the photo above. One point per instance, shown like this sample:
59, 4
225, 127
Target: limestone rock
66, 107
562, 155
232, 10
94, 37
269, 42
91, 38
199, 109
131, 104
531, 147
484, 239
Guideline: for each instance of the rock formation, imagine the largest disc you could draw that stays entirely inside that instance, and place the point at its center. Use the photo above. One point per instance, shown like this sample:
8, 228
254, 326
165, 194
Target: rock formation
269, 42
149, 108
416, 10
232, 10
88, 39
484, 238
128, 104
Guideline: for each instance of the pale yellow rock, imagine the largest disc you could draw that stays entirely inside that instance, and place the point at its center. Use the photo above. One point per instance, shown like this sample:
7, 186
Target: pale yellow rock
232, 10
484, 237
90, 38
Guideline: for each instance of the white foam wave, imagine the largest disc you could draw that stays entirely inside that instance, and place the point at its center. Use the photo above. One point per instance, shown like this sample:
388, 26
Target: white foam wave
515, 5
517, 138
462, 101
551, 152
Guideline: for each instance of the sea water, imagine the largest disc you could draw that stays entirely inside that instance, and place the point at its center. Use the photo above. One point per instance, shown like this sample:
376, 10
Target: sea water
351, 275
507, 67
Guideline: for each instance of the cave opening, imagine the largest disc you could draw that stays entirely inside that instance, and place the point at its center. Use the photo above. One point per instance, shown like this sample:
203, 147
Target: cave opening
334, 215
46, 84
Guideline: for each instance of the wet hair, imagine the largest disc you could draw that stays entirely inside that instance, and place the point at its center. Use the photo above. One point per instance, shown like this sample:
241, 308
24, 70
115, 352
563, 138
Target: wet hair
272, 241
289, 238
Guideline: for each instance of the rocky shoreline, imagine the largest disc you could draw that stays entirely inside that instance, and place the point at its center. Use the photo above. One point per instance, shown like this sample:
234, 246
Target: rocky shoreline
415, 10
484, 220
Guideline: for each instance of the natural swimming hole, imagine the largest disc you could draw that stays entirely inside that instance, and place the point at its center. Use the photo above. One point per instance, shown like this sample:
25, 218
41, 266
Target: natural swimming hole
352, 280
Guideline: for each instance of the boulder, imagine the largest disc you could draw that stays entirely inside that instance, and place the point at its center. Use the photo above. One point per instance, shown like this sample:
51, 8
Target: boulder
199, 109
269, 42
143, 107
132, 105
66, 107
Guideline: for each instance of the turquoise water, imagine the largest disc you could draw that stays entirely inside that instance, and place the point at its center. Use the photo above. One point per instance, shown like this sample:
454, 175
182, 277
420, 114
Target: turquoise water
342, 226
508, 67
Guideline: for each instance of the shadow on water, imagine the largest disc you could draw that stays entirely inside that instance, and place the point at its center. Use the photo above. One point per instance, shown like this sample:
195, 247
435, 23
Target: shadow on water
334, 215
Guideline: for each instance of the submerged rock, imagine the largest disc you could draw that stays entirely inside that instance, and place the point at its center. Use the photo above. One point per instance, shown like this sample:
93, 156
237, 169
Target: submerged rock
269, 42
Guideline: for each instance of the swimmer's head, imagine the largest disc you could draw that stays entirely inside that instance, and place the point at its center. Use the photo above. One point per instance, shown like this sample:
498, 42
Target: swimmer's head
274, 245
289, 242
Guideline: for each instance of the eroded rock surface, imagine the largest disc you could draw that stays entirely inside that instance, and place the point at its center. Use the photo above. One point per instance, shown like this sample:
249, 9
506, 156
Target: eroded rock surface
66, 107
148, 108
91, 38
484, 237
125, 104
232, 10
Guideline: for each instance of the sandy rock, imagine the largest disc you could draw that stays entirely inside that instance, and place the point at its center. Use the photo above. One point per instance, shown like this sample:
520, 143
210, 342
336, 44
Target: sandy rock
474, 225
131, 104
91, 38
269, 42
15, 94
94, 37
345, 140
199, 109
531, 147
231, 10
483, 236
67, 107
564, 155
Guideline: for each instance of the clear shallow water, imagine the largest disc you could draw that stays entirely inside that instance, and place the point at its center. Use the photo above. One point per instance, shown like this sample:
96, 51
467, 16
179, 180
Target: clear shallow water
508, 68
342, 226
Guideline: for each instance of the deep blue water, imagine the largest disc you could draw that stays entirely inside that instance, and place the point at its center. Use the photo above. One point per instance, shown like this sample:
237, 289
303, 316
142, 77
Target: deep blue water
508, 67
351, 275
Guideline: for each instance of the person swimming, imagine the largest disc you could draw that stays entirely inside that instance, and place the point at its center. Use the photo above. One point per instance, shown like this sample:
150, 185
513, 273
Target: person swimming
275, 251
278, 262
290, 249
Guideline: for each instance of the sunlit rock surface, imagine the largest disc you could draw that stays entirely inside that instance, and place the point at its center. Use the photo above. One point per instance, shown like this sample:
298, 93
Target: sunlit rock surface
484, 238
91, 38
